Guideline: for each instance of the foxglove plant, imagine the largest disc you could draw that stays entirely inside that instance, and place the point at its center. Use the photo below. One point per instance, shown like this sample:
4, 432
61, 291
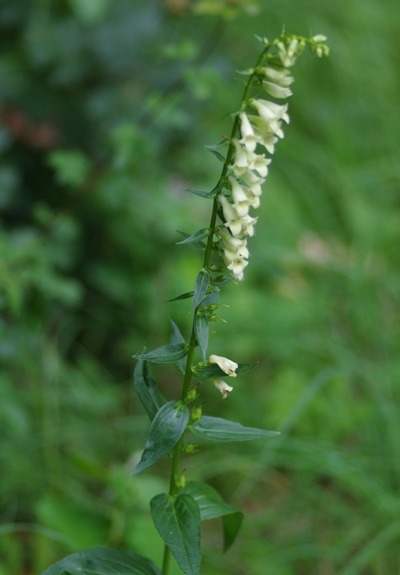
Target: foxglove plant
257, 127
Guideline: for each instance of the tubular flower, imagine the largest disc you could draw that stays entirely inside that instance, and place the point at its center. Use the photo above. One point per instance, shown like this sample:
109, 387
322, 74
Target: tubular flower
276, 90
223, 387
226, 365
281, 77
249, 139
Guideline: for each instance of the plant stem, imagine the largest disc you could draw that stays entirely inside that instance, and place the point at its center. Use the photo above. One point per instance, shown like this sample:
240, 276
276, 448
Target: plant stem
193, 343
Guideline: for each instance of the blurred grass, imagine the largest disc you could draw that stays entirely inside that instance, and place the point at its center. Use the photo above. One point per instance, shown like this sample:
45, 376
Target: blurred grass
95, 150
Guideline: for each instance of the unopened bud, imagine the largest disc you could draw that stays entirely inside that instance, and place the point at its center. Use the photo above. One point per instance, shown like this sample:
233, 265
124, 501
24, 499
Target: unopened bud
180, 481
195, 415
190, 448
191, 395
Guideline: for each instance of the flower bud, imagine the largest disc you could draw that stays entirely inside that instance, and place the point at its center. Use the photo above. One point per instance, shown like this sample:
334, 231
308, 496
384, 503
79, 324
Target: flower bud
195, 414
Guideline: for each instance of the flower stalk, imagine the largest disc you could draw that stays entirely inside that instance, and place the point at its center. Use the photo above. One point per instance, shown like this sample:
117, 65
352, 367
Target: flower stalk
257, 124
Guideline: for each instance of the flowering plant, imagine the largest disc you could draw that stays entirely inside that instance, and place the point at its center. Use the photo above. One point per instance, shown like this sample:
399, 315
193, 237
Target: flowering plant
177, 515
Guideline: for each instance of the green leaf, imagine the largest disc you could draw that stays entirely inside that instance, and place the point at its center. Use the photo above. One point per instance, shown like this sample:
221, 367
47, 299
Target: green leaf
199, 245
202, 331
201, 286
231, 524
177, 337
103, 562
210, 371
146, 388
165, 354
199, 235
219, 145
178, 523
201, 193
218, 155
247, 72
208, 499
218, 429
166, 429
186, 295
211, 505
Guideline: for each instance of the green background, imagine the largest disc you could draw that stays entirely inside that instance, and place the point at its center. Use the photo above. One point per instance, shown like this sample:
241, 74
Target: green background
106, 106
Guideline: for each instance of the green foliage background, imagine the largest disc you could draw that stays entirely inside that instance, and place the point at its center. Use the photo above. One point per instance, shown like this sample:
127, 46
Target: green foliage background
106, 106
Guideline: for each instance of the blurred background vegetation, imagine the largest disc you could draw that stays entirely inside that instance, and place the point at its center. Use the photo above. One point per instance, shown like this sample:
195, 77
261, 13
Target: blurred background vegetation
106, 106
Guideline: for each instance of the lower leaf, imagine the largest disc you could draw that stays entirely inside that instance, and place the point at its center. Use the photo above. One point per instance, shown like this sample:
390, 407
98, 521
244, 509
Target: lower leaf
212, 505
178, 523
103, 562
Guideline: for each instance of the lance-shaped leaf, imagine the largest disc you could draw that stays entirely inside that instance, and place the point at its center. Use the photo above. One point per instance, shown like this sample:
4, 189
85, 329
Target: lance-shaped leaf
220, 144
165, 354
202, 332
217, 155
147, 390
199, 235
178, 523
177, 337
103, 562
201, 286
218, 429
211, 505
200, 245
201, 193
211, 371
186, 295
166, 429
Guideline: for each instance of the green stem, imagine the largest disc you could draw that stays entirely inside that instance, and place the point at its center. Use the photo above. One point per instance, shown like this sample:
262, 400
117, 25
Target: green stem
173, 488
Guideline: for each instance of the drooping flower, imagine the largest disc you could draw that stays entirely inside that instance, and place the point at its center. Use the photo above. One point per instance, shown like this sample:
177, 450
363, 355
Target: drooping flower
237, 266
233, 220
223, 387
226, 365
276, 91
270, 110
280, 76
248, 139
